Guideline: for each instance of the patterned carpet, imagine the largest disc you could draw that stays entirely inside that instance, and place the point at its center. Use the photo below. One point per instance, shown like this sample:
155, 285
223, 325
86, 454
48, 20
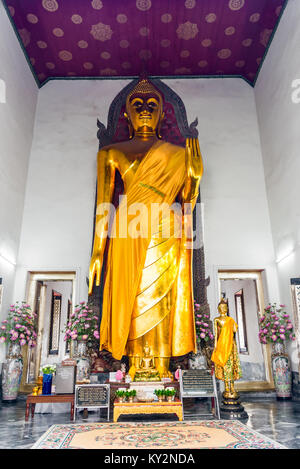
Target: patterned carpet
210, 434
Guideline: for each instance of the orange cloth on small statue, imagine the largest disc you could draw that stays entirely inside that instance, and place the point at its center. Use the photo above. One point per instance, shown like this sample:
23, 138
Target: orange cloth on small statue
225, 342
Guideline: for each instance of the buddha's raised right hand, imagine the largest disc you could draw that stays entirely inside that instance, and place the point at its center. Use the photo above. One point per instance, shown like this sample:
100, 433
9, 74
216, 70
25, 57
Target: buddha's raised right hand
95, 270
194, 167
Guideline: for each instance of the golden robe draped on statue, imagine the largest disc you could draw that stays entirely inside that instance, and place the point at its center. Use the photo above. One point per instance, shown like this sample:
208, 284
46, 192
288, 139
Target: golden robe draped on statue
225, 356
145, 275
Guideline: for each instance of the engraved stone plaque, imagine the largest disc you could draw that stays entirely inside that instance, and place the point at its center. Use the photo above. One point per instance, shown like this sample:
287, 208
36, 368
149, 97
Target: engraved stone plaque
65, 379
198, 381
96, 395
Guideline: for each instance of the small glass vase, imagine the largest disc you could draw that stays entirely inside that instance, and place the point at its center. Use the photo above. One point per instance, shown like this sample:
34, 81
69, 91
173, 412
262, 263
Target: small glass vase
47, 383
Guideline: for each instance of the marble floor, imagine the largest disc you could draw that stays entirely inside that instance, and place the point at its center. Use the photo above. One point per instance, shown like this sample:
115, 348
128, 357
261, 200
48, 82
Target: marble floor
274, 419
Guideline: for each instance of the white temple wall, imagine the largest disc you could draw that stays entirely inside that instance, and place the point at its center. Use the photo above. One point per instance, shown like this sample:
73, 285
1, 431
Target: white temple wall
277, 94
18, 97
58, 213
237, 232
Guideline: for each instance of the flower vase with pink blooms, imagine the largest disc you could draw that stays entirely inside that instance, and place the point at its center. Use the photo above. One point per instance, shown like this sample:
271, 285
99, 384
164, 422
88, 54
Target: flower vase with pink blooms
17, 330
276, 328
83, 330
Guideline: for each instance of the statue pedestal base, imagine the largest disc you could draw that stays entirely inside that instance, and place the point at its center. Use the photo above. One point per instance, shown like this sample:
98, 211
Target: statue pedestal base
231, 409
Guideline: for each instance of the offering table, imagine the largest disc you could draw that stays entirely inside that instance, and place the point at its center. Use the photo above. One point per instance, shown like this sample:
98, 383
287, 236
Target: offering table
31, 400
153, 407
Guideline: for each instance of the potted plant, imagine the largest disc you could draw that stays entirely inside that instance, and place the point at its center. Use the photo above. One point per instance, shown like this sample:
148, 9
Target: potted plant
130, 394
160, 393
170, 394
47, 372
120, 395
17, 330
276, 328
82, 328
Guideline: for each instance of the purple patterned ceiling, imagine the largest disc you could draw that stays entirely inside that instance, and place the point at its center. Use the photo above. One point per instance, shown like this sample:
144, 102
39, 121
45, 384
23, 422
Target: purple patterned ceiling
121, 38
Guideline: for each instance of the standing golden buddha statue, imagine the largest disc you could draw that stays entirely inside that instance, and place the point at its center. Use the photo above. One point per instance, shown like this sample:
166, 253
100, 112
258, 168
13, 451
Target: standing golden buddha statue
225, 354
147, 296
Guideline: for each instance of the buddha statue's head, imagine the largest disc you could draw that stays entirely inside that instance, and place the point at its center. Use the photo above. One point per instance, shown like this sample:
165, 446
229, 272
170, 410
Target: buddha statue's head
223, 307
146, 350
144, 110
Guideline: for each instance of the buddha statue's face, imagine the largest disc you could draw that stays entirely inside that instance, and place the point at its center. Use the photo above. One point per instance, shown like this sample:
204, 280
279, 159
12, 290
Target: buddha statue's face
146, 350
223, 309
144, 110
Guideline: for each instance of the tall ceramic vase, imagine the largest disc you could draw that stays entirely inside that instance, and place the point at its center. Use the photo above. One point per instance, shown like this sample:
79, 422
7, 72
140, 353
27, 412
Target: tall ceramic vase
82, 362
12, 374
281, 372
198, 362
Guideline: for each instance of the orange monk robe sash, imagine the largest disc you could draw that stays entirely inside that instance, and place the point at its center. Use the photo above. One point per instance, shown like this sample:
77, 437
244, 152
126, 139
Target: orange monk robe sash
159, 178
225, 342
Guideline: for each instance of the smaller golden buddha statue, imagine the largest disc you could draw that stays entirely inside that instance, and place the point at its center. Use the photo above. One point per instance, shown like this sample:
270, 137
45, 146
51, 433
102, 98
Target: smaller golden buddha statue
147, 370
225, 354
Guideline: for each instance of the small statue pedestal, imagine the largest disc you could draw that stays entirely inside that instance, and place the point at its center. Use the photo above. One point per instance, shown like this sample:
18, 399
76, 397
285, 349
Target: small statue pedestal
231, 408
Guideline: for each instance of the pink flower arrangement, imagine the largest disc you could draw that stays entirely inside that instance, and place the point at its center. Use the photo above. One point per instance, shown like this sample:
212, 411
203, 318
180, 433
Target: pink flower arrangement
203, 329
275, 325
119, 375
83, 324
20, 326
